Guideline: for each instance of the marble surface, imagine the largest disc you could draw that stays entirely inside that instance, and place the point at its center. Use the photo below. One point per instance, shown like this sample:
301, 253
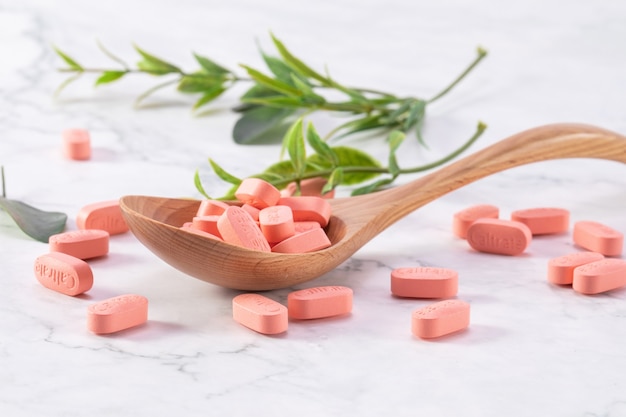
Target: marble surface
531, 349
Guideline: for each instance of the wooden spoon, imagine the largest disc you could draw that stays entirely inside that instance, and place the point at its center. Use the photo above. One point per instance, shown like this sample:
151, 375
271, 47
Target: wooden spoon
356, 220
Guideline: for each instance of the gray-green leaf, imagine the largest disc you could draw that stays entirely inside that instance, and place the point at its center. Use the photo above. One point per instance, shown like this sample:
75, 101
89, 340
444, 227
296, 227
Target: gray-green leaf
296, 148
38, 224
210, 66
262, 125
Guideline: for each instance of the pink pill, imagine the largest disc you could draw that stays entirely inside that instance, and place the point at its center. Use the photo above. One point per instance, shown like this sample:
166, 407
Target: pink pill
440, 318
561, 269
260, 313
276, 223
309, 241
238, 228
503, 237
211, 208
543, 220
82, 244
207, 224
308, 208
463, 219
117, 313
600, 276
252, 211
319, 302
304, 226
105, 215
598, 237
76, 144
63, 273
257, 193
424, 282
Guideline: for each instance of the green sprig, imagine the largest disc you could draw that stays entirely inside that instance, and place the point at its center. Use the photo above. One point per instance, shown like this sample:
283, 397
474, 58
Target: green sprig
287, 91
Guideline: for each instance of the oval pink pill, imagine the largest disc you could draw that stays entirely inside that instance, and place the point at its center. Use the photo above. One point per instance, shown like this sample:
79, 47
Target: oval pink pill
276, 223
76, 144
600, 276
260, 313
308, 208
308, 241
543, 220
63, 273
440, 319
463, 219
257, 193
424, 282
105, 215
117, 313
598, 237
319, 302
237, 227
561, 269
82, 244
211, 208
503, 237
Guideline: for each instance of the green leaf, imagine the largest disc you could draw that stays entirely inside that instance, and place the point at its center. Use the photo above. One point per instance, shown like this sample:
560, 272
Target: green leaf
350, 157
262, 125
335, 179
38, 224
416, 114
277, 101
359, 125
373, 186
69, 61
198, 183
220, 172
280, 170
198, 83
395, 138
109, 77
281, 70
210, 66
296, 64
272, 83
321, 147
209, 96
295, 147
155, 66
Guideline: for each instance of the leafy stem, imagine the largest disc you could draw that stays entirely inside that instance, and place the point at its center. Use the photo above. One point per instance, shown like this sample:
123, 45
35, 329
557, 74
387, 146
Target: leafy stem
274, 105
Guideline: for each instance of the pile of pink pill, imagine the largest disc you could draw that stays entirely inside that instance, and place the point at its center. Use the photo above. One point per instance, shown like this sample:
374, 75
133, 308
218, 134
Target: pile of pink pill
65, 268
267, 220
593, 270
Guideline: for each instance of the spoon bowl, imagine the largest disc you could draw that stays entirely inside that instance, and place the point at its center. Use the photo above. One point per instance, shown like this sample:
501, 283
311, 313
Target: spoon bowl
156, 221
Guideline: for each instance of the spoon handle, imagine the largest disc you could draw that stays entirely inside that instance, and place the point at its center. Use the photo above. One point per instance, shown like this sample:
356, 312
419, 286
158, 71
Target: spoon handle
555, 141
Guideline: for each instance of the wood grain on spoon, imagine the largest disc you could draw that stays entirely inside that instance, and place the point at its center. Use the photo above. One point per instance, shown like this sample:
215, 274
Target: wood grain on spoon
156, 221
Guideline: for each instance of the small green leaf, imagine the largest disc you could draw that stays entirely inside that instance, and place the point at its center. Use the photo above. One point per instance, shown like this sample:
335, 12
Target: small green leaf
321, 147
198, 83
350, 158
395, 138
280, 170
295, 147
359, 125
69, 61
296, 64
38, 224
375, 186
155, 66
220, 172
277, 101
262, 125
210, 66
281, 70
416, 114
335, 179
109, 77
209, 96
198, 183
272, 83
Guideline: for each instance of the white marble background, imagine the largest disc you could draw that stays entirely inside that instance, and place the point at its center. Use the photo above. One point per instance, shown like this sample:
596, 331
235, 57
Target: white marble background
532, 349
